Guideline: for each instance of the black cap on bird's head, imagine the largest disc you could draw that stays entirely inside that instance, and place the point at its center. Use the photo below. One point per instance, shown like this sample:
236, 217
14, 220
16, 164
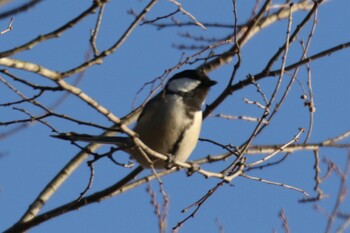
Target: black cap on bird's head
197, 75
192, 86
188, 80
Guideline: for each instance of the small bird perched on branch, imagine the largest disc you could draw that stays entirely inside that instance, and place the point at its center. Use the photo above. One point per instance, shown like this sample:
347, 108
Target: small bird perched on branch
169, 123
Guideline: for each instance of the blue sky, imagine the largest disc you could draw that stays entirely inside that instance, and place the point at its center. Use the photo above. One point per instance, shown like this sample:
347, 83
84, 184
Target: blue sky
31, 158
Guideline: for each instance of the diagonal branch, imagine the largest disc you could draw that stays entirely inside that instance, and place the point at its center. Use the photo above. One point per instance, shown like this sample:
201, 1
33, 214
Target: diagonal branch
17, 10
54, 34
253, 78
98, 59
74, 205
30, 67
75, 162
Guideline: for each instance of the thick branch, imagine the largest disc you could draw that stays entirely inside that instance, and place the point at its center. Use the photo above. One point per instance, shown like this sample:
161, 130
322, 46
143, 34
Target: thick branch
31, 67
74, 205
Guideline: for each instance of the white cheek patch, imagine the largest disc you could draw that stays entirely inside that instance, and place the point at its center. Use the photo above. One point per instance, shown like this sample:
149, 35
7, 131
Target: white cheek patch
183, 84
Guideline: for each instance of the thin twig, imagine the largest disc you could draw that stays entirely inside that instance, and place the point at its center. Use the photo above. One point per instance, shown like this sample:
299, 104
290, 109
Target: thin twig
161, 212
284, 219
89, 184
98, 59
296, 138
245, 118
9, 27
197, 206
276, 183
53, 34
341, 194
179, 5
96, 30
317, 179
259, 105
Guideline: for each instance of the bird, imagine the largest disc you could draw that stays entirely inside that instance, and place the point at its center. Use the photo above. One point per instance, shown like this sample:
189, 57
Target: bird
170, 122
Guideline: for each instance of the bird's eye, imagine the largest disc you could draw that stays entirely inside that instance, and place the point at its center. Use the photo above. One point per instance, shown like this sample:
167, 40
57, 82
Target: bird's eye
183, 84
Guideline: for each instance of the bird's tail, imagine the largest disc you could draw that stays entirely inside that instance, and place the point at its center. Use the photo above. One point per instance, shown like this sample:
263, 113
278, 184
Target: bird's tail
120, 141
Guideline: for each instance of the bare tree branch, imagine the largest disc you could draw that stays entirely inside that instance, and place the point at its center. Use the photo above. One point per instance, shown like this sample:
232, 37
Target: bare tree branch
9, 28
210, 53
25, 7
54, 34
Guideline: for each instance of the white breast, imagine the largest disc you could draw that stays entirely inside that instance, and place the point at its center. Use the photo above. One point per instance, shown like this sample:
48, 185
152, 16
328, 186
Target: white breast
190, 138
